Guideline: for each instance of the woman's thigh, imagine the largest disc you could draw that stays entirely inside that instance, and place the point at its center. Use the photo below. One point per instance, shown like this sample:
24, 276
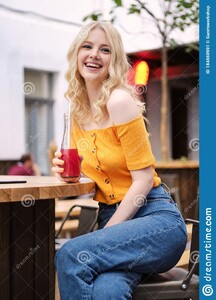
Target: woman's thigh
148, 243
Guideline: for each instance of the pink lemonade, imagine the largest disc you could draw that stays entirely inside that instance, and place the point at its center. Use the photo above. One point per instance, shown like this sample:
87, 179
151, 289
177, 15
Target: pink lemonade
71, 164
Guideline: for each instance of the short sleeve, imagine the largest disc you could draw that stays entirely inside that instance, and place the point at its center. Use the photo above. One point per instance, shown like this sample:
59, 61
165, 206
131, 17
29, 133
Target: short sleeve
135, 143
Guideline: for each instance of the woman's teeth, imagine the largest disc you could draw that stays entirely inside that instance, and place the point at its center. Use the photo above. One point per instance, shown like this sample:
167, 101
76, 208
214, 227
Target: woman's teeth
90, 65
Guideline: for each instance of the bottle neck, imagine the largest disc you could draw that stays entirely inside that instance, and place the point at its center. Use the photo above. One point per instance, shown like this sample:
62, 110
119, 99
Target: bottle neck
66, 136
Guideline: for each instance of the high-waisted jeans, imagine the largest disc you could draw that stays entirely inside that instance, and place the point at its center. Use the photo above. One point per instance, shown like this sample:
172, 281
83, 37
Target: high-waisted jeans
109, 263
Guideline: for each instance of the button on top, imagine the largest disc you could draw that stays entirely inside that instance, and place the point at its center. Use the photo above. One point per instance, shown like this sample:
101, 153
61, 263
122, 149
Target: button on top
94, 150
92, 135
98, 168
112, 196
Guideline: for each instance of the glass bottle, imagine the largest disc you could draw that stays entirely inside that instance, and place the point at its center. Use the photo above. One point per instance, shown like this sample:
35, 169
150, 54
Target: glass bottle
70, 155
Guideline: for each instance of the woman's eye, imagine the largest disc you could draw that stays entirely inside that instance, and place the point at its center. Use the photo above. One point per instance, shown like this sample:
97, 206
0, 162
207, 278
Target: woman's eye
105, 50
86, 46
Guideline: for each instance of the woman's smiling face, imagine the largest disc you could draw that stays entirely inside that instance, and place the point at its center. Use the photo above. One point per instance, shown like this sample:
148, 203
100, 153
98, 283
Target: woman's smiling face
94, 56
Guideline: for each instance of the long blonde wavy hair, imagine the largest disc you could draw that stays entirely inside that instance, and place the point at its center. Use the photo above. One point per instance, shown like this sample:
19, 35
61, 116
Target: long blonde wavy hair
117, 78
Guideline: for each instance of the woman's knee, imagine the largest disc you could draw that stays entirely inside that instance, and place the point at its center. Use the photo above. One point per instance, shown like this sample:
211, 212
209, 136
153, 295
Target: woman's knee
113, 285
60, 256
65, 253
73, 251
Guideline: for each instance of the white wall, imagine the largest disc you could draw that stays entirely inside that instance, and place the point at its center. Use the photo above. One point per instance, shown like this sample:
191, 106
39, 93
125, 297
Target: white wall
31, 44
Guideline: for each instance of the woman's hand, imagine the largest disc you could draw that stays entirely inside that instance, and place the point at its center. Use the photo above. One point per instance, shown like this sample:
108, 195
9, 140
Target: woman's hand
142, 183
59, 166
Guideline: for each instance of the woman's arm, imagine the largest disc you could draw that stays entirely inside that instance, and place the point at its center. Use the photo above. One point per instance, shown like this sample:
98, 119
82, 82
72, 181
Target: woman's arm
134, 199
142, 179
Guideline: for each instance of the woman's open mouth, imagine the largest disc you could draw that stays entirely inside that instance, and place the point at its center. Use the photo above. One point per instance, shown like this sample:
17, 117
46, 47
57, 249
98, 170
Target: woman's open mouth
93, 66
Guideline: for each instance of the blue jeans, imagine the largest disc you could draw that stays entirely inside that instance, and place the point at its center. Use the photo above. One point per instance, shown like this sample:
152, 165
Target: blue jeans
110, 262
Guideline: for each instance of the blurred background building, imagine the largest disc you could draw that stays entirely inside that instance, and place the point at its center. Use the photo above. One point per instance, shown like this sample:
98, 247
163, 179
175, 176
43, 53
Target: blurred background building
183, 102
35, 38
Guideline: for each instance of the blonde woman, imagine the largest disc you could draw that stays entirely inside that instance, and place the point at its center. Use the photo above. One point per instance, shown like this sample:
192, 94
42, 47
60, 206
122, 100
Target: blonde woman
140, 227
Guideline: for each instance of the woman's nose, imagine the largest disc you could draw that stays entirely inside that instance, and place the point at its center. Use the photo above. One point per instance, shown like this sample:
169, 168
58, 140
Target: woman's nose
94, 53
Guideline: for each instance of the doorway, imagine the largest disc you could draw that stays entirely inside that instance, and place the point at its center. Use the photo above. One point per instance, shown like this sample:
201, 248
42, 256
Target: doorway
179, 123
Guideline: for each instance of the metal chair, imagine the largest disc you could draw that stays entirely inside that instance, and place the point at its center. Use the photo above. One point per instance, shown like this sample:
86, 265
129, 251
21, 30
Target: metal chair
178, 283
87, 223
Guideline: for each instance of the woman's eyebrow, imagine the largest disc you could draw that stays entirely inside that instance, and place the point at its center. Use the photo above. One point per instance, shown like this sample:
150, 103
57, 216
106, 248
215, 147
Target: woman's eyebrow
102, 45
105, 45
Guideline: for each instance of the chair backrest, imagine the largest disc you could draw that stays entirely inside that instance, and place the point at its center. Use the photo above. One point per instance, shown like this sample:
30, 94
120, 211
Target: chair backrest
87, 220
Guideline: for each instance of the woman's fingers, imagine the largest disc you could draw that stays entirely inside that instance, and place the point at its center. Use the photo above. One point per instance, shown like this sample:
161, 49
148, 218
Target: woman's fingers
57, 161
57, 169
59, 177
58, 154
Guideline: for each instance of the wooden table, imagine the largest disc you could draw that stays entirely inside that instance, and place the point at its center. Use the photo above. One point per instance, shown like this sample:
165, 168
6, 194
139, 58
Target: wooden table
27, 229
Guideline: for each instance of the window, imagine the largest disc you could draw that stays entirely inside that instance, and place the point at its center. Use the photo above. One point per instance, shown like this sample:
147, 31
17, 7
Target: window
38, 88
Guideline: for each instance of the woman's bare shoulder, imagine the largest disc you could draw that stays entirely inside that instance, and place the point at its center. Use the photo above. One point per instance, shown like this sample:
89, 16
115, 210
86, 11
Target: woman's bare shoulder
122, 107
